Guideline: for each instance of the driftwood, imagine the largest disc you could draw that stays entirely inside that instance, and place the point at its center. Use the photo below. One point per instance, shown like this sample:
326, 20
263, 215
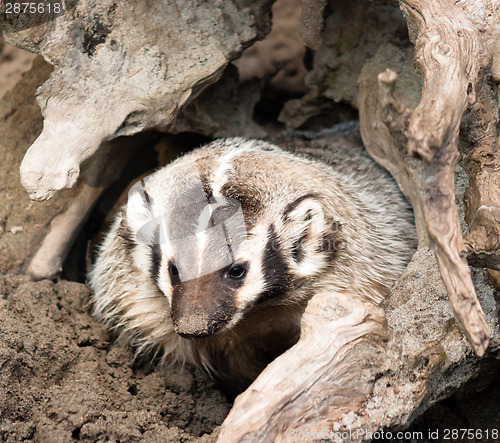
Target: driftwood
125, 84
357, 367
454, 69
98, 174
109, 81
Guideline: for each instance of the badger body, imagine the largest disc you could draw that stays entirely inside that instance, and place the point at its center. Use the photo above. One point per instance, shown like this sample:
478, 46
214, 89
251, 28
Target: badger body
214, 257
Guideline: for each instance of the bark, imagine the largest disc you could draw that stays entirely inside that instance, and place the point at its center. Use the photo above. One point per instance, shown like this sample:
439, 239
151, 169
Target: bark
454, 58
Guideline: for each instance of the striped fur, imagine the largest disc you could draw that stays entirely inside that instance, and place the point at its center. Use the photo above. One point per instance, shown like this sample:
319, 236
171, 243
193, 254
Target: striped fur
319, 215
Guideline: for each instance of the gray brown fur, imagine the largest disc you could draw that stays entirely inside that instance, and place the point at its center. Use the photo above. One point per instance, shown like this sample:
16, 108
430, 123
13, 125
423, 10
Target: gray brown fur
320, 216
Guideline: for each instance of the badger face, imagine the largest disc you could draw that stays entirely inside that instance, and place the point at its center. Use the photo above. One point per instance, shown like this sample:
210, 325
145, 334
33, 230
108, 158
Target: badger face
219, 245
205, 265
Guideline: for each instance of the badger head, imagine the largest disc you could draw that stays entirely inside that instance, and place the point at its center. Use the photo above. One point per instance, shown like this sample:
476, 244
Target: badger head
224, 233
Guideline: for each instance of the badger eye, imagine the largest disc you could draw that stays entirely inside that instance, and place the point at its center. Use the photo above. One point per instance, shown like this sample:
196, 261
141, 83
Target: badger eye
237, 272
172, 270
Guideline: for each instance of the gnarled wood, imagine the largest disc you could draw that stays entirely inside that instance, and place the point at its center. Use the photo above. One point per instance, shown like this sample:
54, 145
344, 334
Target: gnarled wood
453, 57
113, 77
327, 374
311, 22
482, 197
450, 53
431, 187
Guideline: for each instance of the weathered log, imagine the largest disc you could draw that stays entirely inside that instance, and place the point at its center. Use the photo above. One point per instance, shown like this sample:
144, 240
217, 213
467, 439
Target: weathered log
482, 198
98, 173
452, 56
464, 34
325, 375
110, 81
453, 63
463, 69
311, 22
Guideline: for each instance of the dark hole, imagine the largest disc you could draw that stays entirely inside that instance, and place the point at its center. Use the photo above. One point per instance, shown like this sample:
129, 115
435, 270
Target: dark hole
132, 389
76, 434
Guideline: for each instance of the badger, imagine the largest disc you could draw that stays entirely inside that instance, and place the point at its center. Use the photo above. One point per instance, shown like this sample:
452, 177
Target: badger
214, 257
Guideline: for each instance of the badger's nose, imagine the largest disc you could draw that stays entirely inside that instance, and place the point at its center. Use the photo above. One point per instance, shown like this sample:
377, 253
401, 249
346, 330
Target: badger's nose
196, 325
201, 306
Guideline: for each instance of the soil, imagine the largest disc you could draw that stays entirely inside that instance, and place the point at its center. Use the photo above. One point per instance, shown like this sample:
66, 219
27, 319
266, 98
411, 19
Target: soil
63, 379
13, 62
62, 376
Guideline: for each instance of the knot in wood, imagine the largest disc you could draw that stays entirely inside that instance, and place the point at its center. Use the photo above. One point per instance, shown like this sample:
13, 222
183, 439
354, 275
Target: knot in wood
444, 49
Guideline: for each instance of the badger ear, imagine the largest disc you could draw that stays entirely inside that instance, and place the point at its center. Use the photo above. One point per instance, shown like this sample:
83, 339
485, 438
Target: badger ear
308, 229
139, 213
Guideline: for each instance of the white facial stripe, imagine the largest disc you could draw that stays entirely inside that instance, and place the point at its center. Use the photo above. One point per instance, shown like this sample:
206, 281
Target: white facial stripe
253, 247
311, 264
202, 236
202, 239
225, 164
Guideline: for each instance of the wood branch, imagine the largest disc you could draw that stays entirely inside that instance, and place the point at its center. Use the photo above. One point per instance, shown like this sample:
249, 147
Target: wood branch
342, 339
108, 82
482, 197
450, 53
452, 62
433, 194
96, 177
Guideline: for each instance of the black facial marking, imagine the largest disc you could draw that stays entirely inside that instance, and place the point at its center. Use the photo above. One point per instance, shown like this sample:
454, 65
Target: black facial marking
248, 199
204, 174
147, 200
155, 256
207, 189
291, 206
277, 277
298, 249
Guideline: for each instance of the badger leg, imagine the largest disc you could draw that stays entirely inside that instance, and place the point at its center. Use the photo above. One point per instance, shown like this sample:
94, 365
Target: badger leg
328, 373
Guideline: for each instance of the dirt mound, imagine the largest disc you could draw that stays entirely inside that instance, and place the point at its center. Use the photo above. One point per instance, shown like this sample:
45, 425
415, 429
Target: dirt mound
62, 379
